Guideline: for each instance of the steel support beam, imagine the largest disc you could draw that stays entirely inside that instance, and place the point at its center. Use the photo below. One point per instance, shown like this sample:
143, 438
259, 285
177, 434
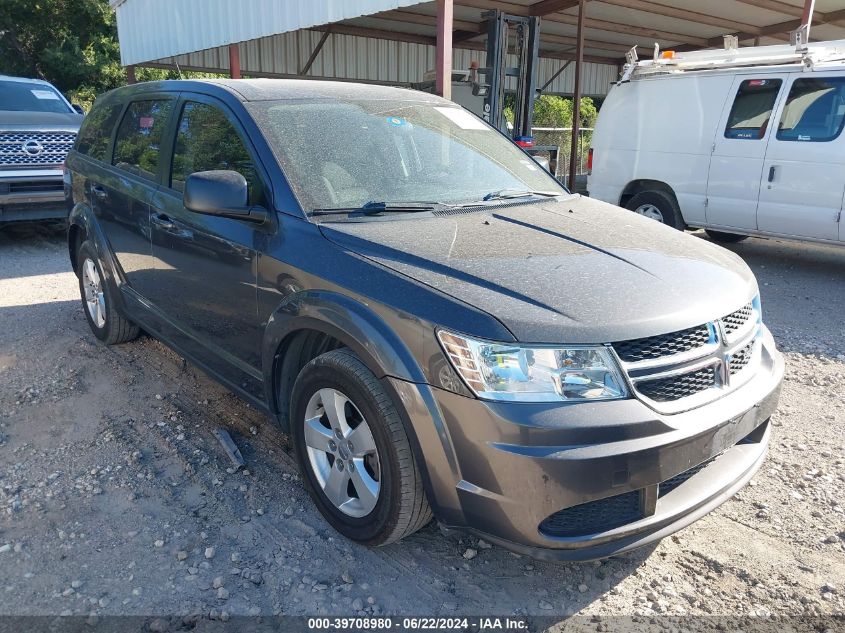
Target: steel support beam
557, 74
545, 7
443, 52
234, 61
316, 51
576, 94
130, 75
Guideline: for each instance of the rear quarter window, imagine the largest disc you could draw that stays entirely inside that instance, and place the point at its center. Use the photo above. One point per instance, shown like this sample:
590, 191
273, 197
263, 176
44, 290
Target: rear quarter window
96, 131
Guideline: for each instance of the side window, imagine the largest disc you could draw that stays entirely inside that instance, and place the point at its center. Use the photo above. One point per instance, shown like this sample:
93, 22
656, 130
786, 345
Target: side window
814, 111
95, 134
752, 109
207, 140
136, 147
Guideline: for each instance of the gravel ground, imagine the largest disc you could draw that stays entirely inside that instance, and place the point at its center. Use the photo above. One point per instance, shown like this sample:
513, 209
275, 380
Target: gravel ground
115, 497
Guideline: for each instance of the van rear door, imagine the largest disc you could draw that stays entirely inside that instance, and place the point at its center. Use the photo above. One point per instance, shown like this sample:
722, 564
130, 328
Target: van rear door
803, 177
739, 150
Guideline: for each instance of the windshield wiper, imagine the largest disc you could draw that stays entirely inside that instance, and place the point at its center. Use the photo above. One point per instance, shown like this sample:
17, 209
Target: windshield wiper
375, 208
505, 194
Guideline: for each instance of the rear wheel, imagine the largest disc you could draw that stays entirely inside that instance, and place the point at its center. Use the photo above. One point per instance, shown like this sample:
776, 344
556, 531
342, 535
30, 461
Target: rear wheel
353, 451
727, 238
106, 323
657, 205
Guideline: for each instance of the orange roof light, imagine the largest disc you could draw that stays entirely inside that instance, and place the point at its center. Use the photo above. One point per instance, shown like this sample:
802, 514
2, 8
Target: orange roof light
668, 54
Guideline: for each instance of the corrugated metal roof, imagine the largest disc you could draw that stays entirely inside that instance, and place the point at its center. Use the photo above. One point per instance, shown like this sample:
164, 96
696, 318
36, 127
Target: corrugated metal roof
368, 59
152, 29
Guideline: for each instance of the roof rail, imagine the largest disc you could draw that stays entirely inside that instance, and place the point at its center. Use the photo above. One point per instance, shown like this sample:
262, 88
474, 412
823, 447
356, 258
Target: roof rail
733, 56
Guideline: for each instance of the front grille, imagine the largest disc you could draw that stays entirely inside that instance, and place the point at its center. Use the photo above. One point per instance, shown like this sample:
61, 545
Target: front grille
663, 345
735, 320
610, 513
741, 358
677, 387
54, 147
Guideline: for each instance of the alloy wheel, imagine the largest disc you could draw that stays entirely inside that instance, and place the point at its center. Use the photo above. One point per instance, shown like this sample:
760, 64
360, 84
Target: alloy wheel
342, 452
95, 301
650, 211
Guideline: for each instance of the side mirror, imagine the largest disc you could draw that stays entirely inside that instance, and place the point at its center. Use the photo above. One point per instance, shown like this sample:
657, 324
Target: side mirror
220, 192
77, 108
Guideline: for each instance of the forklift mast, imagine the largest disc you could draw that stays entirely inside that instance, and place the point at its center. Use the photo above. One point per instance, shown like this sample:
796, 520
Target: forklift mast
527, 48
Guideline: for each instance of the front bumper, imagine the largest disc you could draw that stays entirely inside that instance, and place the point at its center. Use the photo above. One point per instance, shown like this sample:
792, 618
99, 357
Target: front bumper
515, 473
35, 195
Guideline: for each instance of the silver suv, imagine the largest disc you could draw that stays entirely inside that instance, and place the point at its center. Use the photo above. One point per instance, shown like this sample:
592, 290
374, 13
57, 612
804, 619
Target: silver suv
38, 127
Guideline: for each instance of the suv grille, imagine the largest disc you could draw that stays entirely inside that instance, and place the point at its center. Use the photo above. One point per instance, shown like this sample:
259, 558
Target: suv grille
34, 148
735, 320
677, 387
666, 369
663, 345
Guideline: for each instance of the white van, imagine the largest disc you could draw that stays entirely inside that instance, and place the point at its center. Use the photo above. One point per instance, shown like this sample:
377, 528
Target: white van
738, 141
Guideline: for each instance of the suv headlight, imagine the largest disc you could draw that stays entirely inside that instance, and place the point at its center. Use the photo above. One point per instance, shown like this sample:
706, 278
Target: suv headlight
534, 373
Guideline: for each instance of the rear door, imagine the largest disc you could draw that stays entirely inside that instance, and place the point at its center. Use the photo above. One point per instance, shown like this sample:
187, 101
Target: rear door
123, 193
206, 266
739, 149
803, 179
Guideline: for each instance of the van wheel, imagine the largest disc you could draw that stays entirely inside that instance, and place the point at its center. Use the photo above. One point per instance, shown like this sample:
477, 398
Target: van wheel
727, 238
106, 323
353, 451
658, 206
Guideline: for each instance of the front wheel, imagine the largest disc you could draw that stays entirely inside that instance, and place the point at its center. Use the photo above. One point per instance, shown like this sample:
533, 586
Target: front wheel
354, 453
657, 205
727, 238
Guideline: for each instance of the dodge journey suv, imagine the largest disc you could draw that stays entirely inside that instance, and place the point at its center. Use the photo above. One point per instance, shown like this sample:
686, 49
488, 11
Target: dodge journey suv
441, 327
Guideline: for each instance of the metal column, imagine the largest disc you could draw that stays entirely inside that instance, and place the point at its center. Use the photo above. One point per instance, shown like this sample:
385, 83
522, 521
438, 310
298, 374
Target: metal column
443, 55
234, 61
576, 97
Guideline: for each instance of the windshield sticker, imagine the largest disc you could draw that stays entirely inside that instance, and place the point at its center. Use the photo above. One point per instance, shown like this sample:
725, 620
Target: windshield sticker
463, 119
395, 120
45, 94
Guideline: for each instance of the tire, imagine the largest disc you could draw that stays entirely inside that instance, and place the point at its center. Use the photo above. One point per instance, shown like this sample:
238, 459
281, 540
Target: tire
398, 507
98, 304
727, 238
657, 206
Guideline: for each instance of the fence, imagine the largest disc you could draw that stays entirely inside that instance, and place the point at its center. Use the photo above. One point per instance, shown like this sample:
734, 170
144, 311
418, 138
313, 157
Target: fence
561, 137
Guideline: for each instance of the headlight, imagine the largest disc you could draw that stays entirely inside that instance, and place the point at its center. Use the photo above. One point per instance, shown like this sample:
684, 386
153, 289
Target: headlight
501, 371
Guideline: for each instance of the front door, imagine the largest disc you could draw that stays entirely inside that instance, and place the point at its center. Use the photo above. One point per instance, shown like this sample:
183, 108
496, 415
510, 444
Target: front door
206, 266
739, 149
804, 172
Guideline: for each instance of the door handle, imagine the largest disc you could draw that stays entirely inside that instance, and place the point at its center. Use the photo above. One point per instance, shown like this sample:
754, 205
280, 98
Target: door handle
771, 173
98, 191
163, 222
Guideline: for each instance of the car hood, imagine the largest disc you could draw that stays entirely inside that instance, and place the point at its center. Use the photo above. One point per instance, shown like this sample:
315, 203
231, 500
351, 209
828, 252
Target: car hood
571, 270
40, 120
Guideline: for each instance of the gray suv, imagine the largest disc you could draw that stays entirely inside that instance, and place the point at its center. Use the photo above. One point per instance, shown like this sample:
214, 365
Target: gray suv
440, 326
37, 129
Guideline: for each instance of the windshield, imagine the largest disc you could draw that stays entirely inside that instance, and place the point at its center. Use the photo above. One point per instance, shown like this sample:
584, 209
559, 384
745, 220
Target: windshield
30, 97
345, 154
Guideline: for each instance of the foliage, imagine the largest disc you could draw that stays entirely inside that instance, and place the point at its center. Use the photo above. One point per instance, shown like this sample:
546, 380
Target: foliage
555, 111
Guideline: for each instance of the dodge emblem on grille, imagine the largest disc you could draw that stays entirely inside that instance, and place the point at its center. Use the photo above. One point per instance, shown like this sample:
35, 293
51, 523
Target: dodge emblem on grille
32, 147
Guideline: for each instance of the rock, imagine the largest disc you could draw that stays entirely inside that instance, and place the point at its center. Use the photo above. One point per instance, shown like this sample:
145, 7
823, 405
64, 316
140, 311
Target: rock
222, 593
482, 544
181, 555
546, 605
159, 543
5, 548
76, 584
371, 600
210, 552
582, 588
831, 539
347, 578
235, 557
470, 553
217, 582
357, 604
828, 588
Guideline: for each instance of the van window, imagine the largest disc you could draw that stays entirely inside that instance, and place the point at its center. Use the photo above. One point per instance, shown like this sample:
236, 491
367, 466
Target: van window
207, 140
814, 111
96, 131
136, 146
752, 109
